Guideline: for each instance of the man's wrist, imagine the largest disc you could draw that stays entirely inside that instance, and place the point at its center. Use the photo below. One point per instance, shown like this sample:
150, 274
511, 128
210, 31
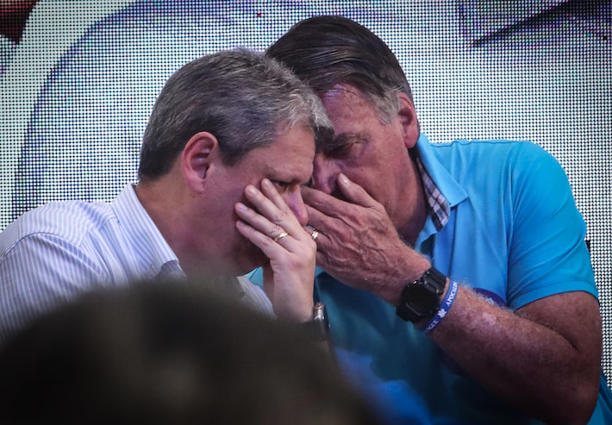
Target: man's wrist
295, 312
411, 267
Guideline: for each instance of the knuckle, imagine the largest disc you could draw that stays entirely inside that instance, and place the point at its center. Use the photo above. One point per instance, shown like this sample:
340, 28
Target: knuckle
343, 238
284, 208
274, 232
278, 219
359, 220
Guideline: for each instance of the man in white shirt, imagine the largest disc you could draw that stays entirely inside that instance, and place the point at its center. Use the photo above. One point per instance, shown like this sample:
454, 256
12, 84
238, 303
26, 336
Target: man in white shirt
229, 142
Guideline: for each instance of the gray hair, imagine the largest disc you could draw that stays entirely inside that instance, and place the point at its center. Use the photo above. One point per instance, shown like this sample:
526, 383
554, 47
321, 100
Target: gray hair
243, 98
328, 50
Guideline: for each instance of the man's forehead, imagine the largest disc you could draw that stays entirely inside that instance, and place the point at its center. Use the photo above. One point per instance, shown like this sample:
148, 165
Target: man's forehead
291, 168
343, 91
344, 99
290, 156
348, 109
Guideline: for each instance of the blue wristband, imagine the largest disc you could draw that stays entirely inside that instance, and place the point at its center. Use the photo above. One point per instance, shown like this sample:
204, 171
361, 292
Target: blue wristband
445, 305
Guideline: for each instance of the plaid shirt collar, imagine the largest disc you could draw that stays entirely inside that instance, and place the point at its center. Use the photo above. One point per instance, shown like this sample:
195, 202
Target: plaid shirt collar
438, 206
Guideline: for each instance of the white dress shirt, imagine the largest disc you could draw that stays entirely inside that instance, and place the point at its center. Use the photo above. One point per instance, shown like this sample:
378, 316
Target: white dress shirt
59, 250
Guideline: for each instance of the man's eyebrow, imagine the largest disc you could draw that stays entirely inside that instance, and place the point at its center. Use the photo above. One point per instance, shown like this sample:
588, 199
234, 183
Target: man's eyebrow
288, 176
343, 139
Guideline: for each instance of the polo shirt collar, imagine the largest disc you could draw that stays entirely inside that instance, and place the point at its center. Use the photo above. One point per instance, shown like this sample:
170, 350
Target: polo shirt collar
450, 189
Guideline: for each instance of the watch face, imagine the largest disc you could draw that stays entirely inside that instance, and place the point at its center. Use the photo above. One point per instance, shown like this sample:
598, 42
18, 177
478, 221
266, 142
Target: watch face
421, 300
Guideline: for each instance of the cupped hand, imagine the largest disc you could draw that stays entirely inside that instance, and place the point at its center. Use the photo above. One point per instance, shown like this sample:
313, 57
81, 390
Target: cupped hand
272, 226
358, 243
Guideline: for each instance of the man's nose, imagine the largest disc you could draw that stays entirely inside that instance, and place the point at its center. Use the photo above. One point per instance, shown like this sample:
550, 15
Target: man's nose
324, 174
296, 204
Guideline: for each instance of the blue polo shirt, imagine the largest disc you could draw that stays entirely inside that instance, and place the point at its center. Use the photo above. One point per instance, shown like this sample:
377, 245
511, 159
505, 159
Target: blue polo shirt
514, 235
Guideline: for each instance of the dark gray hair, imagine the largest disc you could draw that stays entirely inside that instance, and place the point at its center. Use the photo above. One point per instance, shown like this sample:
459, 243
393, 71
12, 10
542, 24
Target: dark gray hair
328, 50
243, 98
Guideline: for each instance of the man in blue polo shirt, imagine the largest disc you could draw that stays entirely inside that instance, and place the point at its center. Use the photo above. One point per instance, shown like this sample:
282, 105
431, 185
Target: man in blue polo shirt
459, 270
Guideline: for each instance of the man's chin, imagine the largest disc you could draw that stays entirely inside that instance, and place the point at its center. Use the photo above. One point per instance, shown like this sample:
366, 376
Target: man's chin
252, 259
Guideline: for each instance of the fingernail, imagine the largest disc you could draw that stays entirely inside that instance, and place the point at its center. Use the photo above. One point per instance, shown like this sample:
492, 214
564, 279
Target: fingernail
251, 190
241, 207
343, 179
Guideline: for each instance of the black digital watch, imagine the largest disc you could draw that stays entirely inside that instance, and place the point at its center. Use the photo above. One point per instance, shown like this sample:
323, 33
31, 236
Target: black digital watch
420, 300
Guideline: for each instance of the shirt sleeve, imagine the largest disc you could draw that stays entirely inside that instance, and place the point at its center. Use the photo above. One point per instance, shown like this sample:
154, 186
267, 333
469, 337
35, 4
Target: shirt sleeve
37, 273
548, 253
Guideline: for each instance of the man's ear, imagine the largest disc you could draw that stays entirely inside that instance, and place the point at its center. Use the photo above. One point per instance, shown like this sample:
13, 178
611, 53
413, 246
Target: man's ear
408, 120
198, 156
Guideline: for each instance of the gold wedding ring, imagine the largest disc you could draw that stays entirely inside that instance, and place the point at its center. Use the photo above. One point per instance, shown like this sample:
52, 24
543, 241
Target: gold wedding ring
314, 234
280, 236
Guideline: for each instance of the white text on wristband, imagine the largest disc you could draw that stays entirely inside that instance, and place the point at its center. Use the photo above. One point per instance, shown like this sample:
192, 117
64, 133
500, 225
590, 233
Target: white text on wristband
445, 305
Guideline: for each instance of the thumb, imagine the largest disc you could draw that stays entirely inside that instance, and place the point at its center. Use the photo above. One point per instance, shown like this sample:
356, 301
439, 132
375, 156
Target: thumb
355, 193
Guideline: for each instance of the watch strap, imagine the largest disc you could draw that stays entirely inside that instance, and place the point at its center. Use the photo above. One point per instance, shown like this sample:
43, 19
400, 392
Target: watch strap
318, 327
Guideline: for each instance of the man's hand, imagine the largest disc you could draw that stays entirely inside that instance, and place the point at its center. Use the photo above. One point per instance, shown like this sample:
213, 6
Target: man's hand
358, 244
289, 275
550, 346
